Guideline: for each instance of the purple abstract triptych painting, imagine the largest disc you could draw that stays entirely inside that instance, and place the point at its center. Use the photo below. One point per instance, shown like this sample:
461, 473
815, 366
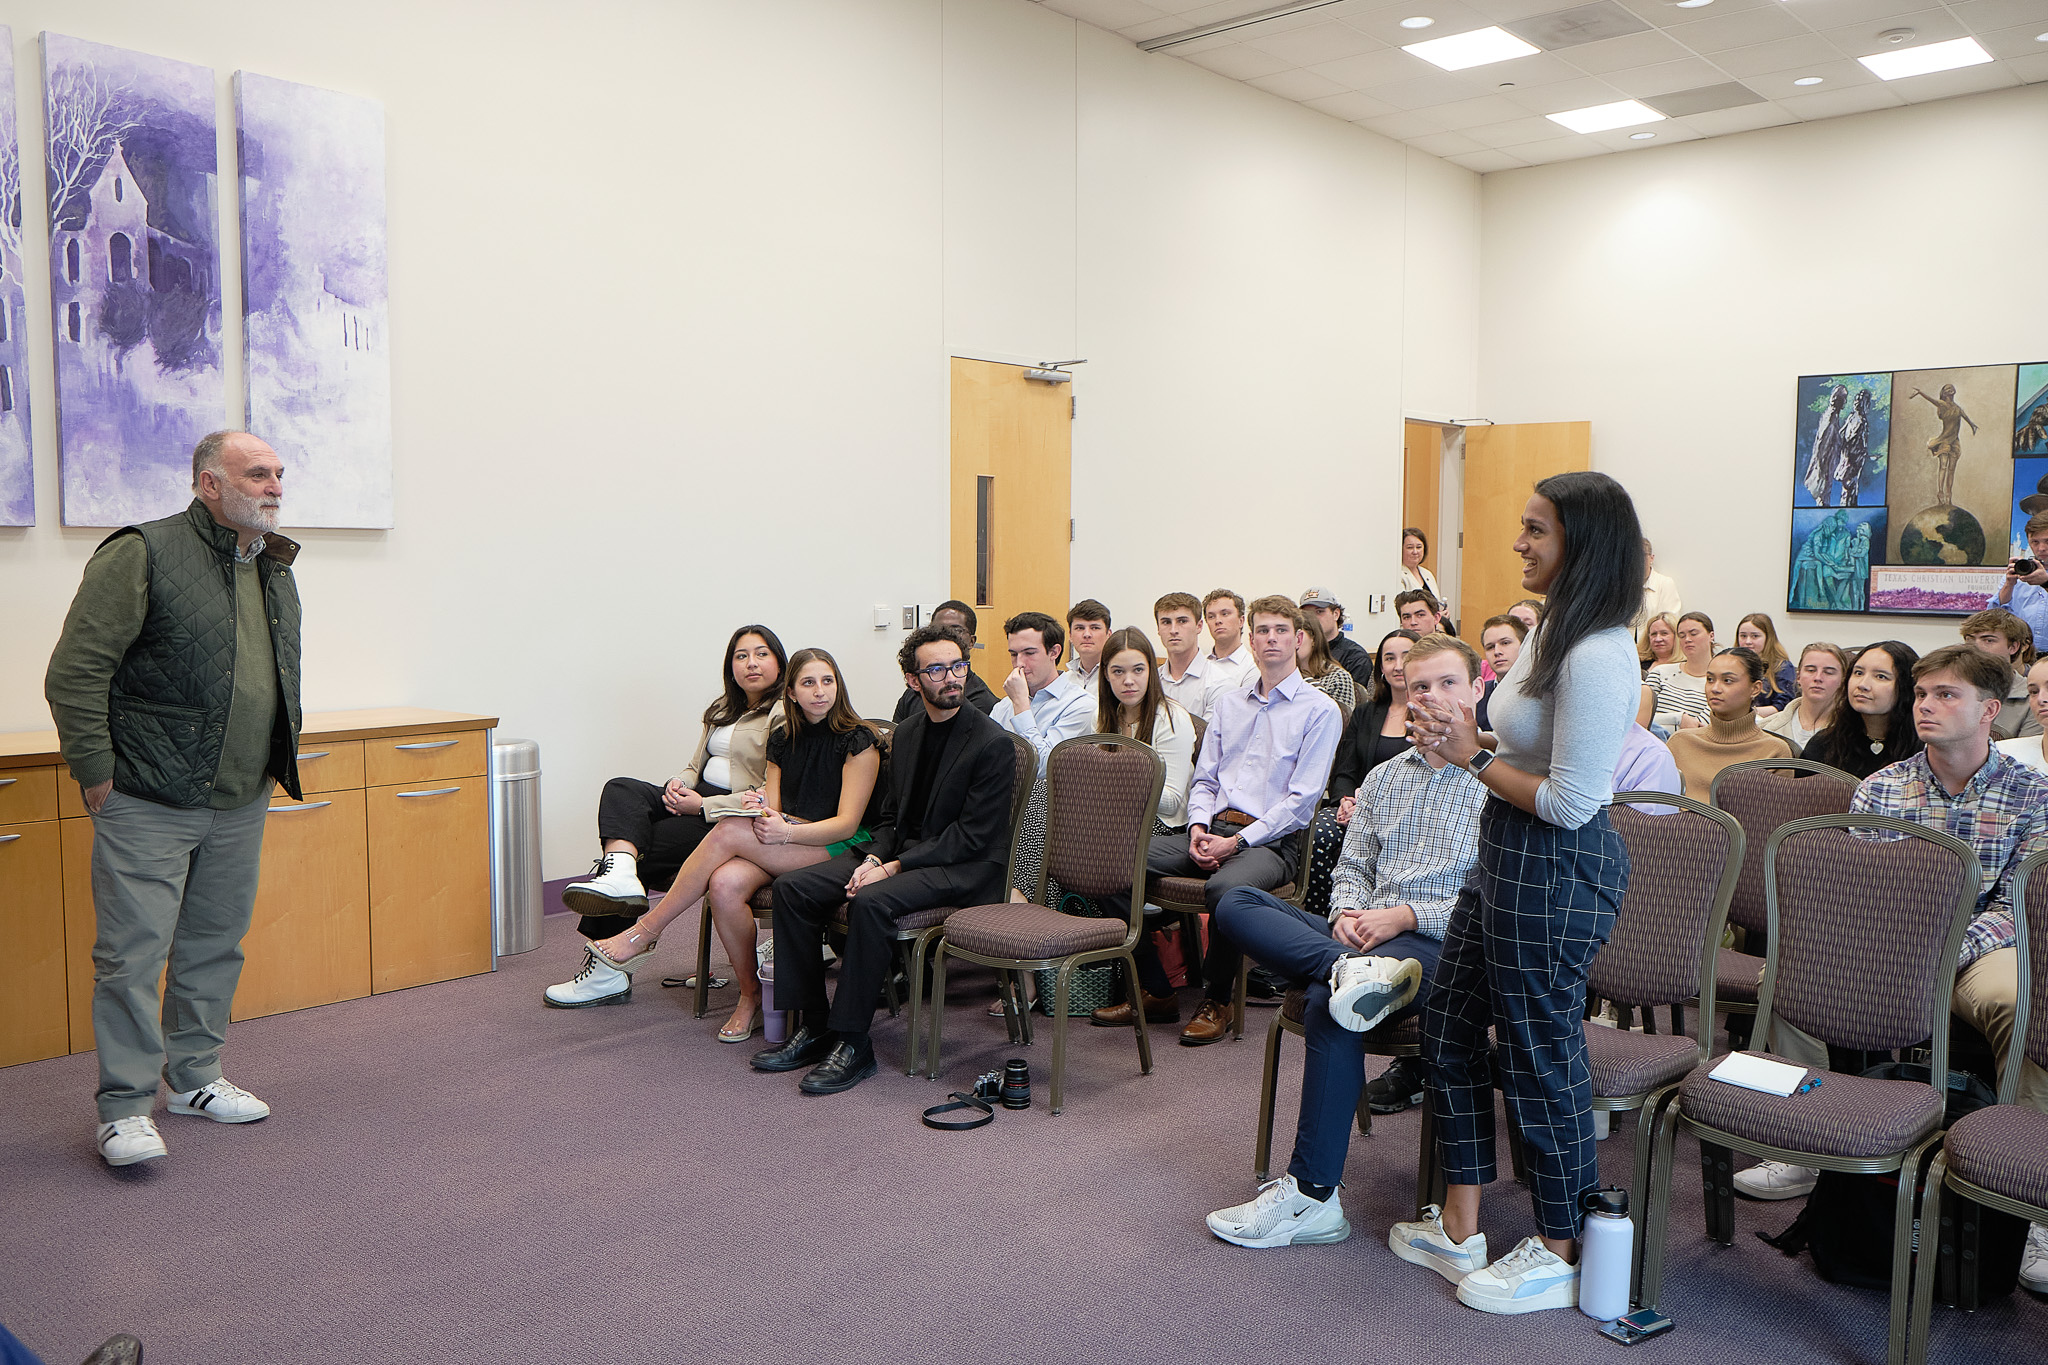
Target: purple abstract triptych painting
17, 463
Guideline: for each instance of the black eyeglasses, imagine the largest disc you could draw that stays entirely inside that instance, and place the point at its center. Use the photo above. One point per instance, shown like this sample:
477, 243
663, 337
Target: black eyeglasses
939, 672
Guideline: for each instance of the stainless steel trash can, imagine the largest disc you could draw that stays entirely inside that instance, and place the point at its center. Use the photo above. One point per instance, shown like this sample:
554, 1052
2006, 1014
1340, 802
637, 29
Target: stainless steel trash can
515, 846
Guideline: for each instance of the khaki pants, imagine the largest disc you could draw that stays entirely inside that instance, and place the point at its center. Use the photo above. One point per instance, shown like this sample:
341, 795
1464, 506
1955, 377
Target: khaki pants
168, 886
1986, 994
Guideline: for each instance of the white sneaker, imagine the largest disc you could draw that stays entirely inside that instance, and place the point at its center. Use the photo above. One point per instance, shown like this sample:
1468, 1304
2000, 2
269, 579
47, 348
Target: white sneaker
126, 1141
1600, 1125
1425, 1242
1365, 990
1281, 1216
222, 1101
596, 984
613, 888
1776, 1180
2034, 1260
1526, 1280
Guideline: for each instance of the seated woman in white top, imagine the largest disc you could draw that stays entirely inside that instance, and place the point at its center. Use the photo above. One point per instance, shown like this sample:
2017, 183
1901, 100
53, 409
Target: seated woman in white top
2028, 749
1823, 668
1133, 705
1414, 549
1675, 694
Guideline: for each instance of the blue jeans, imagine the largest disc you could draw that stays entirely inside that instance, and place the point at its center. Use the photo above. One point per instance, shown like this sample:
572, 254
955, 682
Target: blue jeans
1296, 946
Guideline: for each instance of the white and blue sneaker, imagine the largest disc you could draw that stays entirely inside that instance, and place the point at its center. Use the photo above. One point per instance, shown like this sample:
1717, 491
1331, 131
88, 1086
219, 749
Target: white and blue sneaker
1281, 1216
1364, 990
1424, 1242
1526, 1280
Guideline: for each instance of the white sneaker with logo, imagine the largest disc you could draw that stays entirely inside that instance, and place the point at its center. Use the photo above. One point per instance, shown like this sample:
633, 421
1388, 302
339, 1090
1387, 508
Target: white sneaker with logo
1526, 1280
222, 1101
2034, 1260
1424, 1242
125, 1141
1365, 990
1776, 1180
1281, 1216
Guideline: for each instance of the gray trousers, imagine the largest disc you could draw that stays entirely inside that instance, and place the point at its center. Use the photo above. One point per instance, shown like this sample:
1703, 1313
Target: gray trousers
167, 885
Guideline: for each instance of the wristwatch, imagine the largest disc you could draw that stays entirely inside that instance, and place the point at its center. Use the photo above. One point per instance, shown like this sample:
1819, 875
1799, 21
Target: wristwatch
1479, 762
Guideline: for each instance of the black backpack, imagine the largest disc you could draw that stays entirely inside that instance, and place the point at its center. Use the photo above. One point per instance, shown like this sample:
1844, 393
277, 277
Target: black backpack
1848, 1220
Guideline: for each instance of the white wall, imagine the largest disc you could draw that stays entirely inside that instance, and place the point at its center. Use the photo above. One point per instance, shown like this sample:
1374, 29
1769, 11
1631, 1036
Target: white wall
1672, 297
673, 288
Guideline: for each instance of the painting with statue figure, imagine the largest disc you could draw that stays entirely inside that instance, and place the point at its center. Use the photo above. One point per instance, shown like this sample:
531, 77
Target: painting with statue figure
1951, 467
1841, 440
2030, 413
17, 465
1832, 551
135, 276
314, 295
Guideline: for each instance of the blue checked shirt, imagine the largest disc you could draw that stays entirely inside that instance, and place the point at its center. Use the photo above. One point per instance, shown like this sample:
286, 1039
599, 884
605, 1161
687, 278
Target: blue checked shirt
2002, 813
1414, 841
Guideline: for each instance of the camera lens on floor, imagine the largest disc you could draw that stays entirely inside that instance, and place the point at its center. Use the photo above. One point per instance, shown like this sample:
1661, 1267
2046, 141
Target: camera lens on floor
1016, 1084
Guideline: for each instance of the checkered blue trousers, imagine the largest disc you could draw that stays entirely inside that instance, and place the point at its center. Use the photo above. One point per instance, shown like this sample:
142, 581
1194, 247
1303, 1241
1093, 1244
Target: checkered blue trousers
1515, 960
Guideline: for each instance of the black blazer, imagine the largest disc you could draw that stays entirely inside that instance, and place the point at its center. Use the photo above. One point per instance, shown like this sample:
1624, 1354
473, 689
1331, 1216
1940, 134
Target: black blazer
979, 698
1355, 749
968, 817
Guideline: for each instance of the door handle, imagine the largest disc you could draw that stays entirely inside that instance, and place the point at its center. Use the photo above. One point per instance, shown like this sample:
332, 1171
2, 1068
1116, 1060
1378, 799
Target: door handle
8, 781
8, 838
308, 758
436, 744
304, 805
438, 791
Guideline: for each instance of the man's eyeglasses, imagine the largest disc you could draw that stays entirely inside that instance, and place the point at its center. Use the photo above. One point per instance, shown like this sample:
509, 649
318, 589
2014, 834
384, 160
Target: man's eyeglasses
940, 672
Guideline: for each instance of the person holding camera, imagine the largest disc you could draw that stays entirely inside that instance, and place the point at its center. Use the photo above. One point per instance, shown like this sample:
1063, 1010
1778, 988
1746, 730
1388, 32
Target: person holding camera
2024, 589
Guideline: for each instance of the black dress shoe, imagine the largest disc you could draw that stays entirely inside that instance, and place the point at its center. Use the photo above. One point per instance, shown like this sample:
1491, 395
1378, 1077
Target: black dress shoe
803, 1047
844, 1067
117, 1350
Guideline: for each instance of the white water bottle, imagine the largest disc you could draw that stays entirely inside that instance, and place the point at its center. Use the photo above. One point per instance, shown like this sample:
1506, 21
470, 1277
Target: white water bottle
1607, 1243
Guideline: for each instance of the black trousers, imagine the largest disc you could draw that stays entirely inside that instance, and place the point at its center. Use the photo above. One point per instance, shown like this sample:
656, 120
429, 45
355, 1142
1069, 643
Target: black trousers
806, 902
632, 810
1262, 867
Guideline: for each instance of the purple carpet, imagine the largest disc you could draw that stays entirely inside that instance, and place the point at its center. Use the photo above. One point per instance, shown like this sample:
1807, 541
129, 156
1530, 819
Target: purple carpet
455, 1174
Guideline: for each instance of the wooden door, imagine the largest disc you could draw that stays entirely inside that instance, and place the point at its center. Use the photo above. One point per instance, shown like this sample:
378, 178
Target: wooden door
1502, 465
309, 938
1422, 468
33, 1019
1012, 496
430, 883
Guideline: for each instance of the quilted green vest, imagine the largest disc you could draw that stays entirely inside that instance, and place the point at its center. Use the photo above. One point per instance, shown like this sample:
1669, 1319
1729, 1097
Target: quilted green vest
168, 706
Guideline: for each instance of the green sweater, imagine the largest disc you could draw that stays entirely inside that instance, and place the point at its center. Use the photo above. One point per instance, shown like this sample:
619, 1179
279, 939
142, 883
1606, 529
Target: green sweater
105, 619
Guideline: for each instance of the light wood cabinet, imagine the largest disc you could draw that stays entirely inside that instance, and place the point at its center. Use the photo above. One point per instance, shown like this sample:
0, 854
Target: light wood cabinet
378, 880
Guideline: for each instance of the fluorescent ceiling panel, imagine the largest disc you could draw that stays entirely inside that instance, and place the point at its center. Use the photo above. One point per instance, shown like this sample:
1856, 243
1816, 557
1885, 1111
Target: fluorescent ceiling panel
1918, 61
1601, 117
1478, 48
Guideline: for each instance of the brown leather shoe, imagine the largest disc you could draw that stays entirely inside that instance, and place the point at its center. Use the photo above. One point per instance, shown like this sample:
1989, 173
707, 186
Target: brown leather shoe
1211, 1024
1159, 1009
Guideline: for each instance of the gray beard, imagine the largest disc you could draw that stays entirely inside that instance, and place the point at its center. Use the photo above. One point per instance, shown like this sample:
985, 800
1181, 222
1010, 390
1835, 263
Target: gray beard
246, 512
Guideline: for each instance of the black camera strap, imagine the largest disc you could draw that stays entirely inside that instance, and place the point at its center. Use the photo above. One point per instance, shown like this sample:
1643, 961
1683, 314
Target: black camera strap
985, 1114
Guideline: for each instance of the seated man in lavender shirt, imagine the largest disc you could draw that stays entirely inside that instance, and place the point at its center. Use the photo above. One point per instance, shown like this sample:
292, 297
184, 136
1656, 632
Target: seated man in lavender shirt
1263, 766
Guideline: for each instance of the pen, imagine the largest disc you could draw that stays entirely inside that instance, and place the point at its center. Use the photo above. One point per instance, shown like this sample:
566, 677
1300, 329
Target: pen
1812, 1083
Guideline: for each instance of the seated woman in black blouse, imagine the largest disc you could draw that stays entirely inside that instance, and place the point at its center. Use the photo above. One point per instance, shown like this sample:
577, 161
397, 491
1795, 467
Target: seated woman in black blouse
1873, 722
823, 763
1376, 732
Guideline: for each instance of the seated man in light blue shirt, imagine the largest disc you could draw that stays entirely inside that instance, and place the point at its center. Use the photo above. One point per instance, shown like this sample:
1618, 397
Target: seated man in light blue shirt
1041, 701
2025, 595
1263, 766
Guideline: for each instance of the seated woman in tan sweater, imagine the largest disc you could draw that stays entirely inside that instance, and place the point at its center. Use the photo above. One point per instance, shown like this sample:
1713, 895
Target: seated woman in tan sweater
1735, 679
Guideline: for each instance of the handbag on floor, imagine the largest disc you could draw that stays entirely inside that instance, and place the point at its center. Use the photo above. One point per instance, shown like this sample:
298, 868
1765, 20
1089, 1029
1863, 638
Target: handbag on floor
1090, 987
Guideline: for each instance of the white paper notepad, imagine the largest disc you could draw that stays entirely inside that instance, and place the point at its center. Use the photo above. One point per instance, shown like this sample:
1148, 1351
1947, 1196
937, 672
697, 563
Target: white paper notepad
1752, 1072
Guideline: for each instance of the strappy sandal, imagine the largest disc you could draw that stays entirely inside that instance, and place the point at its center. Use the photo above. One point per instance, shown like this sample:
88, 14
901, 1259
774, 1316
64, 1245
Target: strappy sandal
729, 1035
596, 950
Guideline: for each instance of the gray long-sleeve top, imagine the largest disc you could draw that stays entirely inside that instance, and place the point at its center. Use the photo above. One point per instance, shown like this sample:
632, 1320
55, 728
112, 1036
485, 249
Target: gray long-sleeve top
1571, 738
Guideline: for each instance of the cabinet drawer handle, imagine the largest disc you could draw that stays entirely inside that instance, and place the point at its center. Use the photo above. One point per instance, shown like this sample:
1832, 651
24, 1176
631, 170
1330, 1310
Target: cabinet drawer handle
303, 805
8, 838
438, 791
8, 781
308, 758
436, 744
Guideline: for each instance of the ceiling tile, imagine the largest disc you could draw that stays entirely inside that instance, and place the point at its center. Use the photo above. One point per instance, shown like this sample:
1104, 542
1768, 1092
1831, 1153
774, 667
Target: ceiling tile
1403, 126
1577, 26
1507, 11
1194, 45
1826, 14
1445, 144
1373, 68
1746, 28
1940, 85
1296, 85
1530, 128
1929, 26
1558, 149
2030, 69
1703, 99
1114, 15
1223, 11
1422, 92
2016, 42
1352, 106
1981, 15
1315, 43
1383, 21
1786, 54
1834, 75
1637, 49
1474, 113
1666, 77
1539, 69
1487, 161
1742, 120
1240, 62
1668, 132
1555, 98
1665, 14
1833, 103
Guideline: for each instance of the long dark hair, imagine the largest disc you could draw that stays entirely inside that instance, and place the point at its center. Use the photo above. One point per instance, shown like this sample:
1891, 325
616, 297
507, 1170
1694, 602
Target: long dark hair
1382, 690
1599, 584
840, 720
1109, 711
732, 703
1845, 743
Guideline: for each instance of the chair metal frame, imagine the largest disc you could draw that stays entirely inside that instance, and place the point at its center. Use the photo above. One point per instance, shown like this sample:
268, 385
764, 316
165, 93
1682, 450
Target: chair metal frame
1065, 965
1717, 1171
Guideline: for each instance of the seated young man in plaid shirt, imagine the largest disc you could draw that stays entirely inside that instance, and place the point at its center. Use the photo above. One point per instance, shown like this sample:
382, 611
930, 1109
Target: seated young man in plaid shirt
1963, 785
1412, 843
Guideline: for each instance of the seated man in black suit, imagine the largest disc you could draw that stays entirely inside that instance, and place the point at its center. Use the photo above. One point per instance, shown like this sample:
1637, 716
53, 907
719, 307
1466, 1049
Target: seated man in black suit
980, 695
942, 840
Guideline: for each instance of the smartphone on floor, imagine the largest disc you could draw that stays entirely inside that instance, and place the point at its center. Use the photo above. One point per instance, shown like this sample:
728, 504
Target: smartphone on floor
1640, 1325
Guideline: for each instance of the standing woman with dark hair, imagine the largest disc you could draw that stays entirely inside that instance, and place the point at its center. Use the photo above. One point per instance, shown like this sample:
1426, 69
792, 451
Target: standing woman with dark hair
1551, 873
648, 832
1415, 549
1873, 726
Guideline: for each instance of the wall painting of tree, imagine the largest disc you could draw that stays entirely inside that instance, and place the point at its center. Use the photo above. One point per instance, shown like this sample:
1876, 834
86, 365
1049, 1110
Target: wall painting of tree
135, 276
17, 463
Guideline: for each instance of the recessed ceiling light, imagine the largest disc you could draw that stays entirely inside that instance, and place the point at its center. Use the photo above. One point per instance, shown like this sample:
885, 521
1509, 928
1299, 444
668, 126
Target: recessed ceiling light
1640, 137
2041, 37
1600, 118
1918, 61
1417, 21
1691, 4
1808, 80
1477, 48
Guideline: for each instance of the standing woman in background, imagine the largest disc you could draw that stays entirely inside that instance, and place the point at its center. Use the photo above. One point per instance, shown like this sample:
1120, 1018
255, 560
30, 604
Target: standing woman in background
1873, 727
1414, 549
1758, 634
1822, 669
1551, 873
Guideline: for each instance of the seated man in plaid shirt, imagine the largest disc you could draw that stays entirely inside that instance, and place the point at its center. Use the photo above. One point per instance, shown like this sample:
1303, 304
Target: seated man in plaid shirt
1963, 785
1412, 843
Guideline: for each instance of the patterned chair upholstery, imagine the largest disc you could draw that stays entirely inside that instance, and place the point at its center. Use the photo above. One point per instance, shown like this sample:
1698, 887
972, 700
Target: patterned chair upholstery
1101, 798
1762, 795
1866, 916
1996, 1157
